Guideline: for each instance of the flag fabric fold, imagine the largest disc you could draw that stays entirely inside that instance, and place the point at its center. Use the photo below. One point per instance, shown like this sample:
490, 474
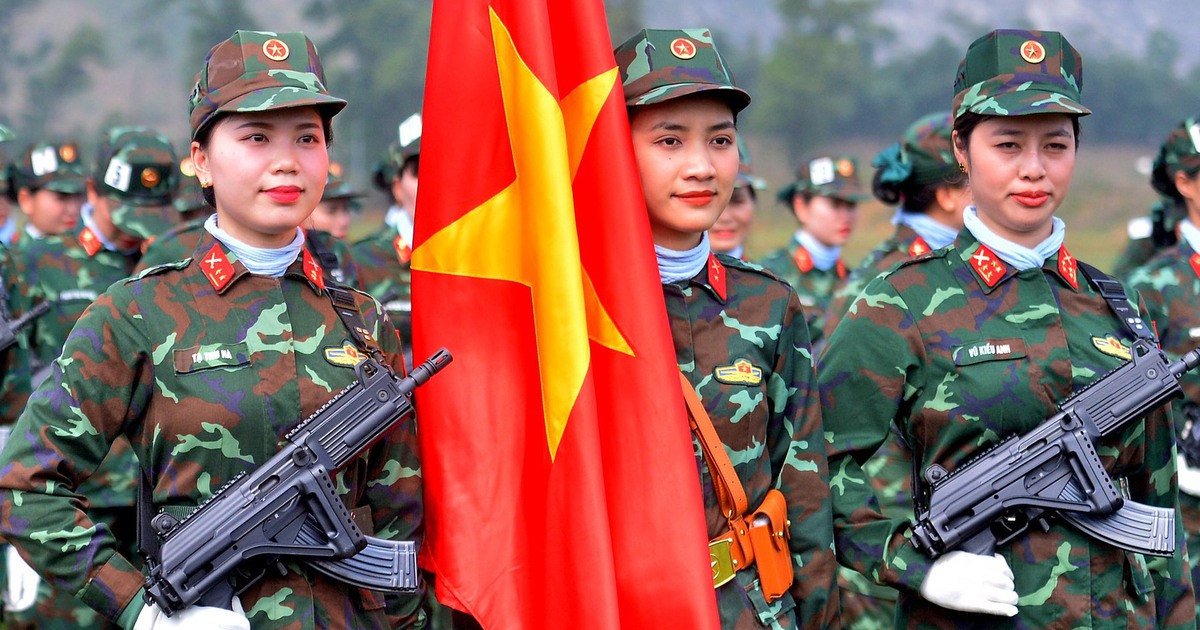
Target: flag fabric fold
561, 486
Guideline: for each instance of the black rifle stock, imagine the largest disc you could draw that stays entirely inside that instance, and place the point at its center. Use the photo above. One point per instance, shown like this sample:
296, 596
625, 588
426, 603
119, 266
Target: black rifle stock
1054, 468
9, 328
289, 506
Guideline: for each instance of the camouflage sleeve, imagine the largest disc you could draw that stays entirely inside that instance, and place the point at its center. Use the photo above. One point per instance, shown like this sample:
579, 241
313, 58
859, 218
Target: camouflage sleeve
393, 489
59, 441
14, 362
865, 379
796, 444
1157, 484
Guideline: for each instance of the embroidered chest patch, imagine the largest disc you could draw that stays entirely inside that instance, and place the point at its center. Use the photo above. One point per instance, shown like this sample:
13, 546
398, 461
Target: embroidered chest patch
1113, 347
742, 372
207, 356
345, 356
989, 350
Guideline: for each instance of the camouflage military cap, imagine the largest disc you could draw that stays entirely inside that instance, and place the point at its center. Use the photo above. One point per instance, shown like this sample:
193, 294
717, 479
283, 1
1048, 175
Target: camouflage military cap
336, 186
924, 155
188, 193
827, 176
745, 174
256, 71
137, 167
53, 166
1180, 153
1018, 72
657, 65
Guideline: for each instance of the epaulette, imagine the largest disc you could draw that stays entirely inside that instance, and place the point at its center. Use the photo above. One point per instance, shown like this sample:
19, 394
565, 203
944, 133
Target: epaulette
916, 260
745, 265
157, 269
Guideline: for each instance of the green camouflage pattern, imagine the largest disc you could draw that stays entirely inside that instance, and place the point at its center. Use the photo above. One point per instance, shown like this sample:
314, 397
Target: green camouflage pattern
385, 276
53, 166
174, 245
240, 75
771, 429
814, 287
136, 166
1171, 288
1000, 77
204, 383
1140, 245
896, 249
833, 176
14, 362
1180, 153
660, 64
334, 256
925, 155
956, 366
336, 186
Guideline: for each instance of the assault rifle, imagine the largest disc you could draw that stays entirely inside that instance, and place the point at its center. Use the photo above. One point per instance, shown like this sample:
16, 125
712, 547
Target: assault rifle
9, 327
1055, 469
289, 507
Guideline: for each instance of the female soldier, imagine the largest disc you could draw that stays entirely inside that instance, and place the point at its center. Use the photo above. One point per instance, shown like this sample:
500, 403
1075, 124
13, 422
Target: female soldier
978, 341
1170, 284
207, 363
739, 337
824, 199
921, 174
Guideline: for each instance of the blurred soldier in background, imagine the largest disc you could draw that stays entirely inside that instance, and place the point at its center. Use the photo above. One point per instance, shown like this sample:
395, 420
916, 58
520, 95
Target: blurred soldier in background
728, 234
326, 228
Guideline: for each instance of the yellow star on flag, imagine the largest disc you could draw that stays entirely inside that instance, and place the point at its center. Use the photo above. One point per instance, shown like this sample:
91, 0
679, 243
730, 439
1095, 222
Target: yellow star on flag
535, 213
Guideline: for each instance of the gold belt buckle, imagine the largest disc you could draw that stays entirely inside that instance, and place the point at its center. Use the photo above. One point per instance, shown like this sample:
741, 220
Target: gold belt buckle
720, 554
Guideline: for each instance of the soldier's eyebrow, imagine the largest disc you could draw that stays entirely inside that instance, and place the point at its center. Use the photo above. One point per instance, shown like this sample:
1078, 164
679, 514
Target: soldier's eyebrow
668, 125
261, 124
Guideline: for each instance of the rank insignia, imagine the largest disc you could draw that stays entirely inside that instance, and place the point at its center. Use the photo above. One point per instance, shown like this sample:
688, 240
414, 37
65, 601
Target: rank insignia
803, 260
742, 372
919, 248
1113, 347
716, 276
988, 266
1195, 261
216, 267
841, 269
91, 244
1068, 268
403, 250
313, 271
345, 356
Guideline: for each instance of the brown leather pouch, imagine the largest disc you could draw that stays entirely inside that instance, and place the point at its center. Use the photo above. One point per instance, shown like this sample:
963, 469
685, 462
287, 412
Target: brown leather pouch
769, 538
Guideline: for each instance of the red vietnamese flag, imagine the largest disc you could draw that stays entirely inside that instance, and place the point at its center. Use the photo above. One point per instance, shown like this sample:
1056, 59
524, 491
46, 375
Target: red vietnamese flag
561, 488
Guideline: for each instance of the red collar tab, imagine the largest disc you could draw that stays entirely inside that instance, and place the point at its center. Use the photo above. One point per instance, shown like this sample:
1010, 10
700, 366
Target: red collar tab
803, 260
313, 271
919, 248
216, 267
990, 268
841, 269
716, 276
1068, 268
403, 249
90, 242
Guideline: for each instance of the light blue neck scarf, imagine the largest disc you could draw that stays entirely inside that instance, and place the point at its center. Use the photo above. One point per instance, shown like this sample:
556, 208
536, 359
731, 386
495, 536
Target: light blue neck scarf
1190, 233
935, 234
1016, 255
259, 261
674, 266
9, 229
823, 256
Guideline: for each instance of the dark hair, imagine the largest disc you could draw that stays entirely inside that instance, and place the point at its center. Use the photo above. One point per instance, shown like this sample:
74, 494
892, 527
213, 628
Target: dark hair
915, 197
965, 124
206, 134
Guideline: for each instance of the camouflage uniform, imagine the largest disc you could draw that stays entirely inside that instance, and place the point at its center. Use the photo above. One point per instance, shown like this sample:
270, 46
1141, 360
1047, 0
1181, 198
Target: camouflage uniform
14, 362
384, 271
958, 350
197, 422
1148, 236
52, 166
834, 177
741, 341
173, 245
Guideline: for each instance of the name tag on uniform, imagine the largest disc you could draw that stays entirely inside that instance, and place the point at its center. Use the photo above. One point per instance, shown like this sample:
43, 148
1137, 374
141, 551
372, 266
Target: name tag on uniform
989, 350
208, 356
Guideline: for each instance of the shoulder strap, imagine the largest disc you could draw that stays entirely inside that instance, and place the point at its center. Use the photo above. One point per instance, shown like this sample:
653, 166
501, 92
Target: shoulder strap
347, 309
730, 494
1114, 294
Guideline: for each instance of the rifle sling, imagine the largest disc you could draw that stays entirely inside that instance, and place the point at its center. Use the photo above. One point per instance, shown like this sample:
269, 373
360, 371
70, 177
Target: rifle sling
1114, 294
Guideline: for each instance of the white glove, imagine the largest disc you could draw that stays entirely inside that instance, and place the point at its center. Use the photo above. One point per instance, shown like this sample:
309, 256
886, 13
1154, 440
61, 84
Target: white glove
1189, 478
193, 618
971, 583
20, 593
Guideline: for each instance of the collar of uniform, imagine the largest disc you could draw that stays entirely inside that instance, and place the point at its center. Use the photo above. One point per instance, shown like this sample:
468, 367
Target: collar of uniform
989, 271
908, 241
713, 278
221, 267
1064, 267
